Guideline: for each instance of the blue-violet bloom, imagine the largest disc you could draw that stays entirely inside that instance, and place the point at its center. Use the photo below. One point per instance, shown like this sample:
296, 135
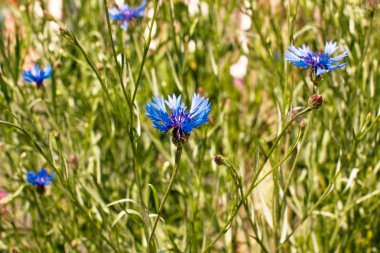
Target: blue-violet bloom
178, 118
320, 62
126, 14
40, 180
37, 75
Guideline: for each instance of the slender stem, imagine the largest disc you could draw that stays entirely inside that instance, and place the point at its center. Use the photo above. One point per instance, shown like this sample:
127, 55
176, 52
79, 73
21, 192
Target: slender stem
119, 69
175, 171
280, 162
253, 183
146, 49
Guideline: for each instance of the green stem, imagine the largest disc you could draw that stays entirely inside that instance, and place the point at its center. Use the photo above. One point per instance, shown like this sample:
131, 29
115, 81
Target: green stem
176, 166
281, 162
253, 183
119, 69
146, 49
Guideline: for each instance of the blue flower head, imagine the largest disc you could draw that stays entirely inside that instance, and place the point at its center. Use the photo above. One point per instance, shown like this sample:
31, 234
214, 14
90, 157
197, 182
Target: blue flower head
40, 180
319, 62
37, 75
178, 118
126, 14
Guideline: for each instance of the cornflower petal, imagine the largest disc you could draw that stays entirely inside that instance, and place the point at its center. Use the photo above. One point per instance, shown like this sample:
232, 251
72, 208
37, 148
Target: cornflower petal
31, 178
334, 67
174, 103
339, 57
330, 47
124, 25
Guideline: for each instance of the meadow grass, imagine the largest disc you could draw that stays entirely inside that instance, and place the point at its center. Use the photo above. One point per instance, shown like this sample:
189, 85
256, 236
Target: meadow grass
261, 176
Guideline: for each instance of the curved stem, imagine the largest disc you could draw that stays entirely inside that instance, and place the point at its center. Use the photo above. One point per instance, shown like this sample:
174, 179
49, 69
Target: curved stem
253, 183
175, 171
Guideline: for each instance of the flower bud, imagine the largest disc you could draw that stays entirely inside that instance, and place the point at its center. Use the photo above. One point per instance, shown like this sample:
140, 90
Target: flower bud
220, 160
99, 66
315, 101
67, 34
74, 161
56, 134
57, 64
303, 123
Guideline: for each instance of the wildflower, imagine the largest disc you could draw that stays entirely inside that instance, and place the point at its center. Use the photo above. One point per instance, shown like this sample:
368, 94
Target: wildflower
178, 118
37, 75
126, 14
40, 180
319, 62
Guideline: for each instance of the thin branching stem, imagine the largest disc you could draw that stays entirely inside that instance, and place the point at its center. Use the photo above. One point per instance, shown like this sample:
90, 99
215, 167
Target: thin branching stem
253, 183
171, 182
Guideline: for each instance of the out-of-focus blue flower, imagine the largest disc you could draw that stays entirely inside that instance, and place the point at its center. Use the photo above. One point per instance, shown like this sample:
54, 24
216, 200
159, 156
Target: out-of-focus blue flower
126, 14
37, 75
319, 62
182, 121
41, 179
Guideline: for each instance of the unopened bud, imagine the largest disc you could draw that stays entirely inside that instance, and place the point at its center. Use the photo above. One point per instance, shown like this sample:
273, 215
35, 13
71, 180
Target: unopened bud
220, 160
67, 34
201, 91
74, 161
99, 66
315, 101
56, 134
303, 123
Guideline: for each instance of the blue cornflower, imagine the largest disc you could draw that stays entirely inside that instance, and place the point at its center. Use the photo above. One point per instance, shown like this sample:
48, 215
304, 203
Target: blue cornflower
40, 180
37, 75
182, 121
319, 62
126, 14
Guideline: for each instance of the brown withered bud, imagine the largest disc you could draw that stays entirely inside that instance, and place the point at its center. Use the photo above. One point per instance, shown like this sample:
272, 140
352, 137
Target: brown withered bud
57, 64
315, 101
74, 161
303, 123
56, 134
220, 160
99, 66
